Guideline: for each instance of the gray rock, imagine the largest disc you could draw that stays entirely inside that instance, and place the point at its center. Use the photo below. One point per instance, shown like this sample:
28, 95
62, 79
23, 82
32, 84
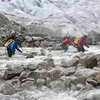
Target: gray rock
54, 74
30, 67
72, 87
80, 86
46, 65
85, 72
12, 72
40, 74
57, 47
92, 81
37, 43
37, 38
23, 75
77, 80
48, 81
69, 71
40, 82
66, 80
8, 89
57, 85
28, 38
27, 84
98, 64
95, 36
91, 62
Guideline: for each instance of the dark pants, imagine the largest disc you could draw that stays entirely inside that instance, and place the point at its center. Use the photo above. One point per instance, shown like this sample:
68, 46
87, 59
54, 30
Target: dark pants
81, 49
10, 53
65, 47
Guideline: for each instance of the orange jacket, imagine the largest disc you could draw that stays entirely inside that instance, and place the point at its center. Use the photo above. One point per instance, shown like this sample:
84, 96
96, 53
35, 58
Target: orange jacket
67, 42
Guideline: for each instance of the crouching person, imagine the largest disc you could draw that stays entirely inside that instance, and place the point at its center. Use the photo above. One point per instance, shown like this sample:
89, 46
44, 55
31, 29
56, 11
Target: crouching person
12, 47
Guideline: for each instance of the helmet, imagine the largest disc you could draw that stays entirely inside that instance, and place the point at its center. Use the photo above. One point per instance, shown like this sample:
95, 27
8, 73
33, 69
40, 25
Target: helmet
86, 35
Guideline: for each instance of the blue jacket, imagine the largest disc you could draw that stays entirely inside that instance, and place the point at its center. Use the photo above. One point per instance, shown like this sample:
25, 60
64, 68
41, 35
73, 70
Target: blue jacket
14, 46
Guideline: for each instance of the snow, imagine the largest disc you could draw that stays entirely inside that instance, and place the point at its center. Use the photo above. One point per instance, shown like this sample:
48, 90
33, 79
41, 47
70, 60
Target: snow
82, 15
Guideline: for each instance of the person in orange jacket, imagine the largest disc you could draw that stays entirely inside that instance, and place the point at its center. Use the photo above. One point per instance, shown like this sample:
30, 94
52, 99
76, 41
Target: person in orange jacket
82, 43
66, 43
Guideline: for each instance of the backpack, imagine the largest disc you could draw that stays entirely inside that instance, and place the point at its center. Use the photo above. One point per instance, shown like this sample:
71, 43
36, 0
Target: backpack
8, 42
77, 39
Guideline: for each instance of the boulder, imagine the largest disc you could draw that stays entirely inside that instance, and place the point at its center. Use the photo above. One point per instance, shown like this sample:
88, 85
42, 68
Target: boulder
48, 81
37, 43
46, 43
27, 84
37, 38
40, 82
28, 38
85, 72
23, 75
98, 65
54, 74
71, 63
8, 89
66, 80
92, 81
95, 36
30, 67
69, 71
97, 57
77, 80
40, 74
57, 47
57, 85
91, 62
46, 64
12, 72
30, 56
64, 64
96, 76
80, 86
82, 61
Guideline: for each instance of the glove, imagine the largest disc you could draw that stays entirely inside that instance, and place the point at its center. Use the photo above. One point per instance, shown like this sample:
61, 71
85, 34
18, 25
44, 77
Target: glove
21, 51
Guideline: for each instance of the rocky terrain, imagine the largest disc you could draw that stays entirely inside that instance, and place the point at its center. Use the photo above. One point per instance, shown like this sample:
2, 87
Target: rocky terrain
43, 63
38, 67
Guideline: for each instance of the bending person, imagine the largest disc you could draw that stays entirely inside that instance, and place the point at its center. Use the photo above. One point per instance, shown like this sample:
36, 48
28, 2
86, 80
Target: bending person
82, 43
12, 47
66, 43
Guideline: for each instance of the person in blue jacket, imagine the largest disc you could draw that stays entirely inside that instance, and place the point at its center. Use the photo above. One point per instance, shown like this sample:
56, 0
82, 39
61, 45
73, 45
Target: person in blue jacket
12, 47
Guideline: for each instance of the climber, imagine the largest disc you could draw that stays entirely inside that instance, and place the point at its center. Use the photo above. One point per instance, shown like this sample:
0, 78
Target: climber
81, 43
66, 42
12, 47
10, 38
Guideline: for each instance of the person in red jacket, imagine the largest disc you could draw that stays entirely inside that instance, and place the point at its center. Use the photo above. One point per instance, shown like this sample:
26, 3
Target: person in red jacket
66, 43
82, 43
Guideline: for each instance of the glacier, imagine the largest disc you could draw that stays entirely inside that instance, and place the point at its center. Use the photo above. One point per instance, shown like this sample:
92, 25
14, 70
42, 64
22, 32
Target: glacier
72, 17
